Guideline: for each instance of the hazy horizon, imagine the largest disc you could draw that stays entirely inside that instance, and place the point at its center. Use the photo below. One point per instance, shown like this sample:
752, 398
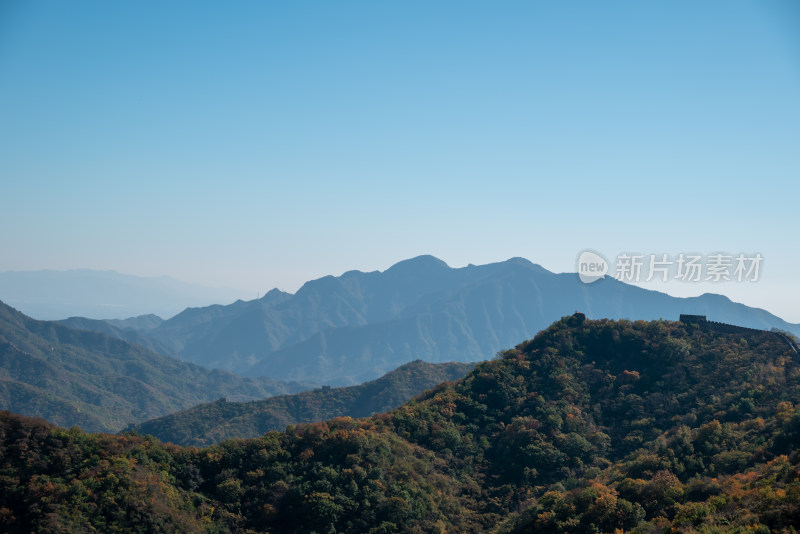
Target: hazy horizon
232, 293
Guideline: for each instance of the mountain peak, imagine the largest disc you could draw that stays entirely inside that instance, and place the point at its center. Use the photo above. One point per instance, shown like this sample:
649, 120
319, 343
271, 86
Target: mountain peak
424, 263
523, 263
273, 297
715, 297
275, 293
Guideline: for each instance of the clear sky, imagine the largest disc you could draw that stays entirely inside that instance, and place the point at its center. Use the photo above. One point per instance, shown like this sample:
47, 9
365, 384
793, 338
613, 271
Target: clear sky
261, 144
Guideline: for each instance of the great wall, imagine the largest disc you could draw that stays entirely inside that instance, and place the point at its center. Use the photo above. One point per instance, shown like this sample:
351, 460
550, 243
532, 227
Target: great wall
701, 321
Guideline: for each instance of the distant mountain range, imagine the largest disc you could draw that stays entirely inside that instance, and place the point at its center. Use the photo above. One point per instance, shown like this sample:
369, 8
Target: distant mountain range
116, 328
101, 383
216, 421
50, 295
357, 326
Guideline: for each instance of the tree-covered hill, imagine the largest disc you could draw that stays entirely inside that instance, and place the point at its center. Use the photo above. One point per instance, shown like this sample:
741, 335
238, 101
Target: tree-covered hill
213, 422
592, 426
100, 383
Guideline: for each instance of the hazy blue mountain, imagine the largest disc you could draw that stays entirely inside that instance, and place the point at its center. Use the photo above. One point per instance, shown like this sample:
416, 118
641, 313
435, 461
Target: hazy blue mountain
50, 295
511, 301
222, 333
130, 334
141, 322
239, 336
213, 422
75, 377
357, 326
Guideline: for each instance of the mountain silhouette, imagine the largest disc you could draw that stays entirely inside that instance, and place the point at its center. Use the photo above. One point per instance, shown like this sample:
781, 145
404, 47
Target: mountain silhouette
356, 327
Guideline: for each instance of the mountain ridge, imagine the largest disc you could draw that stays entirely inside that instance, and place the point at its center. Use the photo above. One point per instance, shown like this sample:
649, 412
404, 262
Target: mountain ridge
355, 327
103, 383
220, 420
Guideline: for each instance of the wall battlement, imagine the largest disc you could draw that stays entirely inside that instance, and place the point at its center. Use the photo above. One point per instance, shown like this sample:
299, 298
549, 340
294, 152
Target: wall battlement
701, 321
686, 318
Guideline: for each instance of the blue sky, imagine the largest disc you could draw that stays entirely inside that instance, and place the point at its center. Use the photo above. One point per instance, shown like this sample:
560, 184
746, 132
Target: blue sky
262, 144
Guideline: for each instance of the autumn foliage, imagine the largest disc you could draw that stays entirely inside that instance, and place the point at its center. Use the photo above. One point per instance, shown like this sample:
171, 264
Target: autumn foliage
592, 426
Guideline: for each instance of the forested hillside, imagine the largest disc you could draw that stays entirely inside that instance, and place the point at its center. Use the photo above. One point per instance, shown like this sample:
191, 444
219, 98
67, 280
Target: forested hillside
213, 422
101, 383
592, 426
